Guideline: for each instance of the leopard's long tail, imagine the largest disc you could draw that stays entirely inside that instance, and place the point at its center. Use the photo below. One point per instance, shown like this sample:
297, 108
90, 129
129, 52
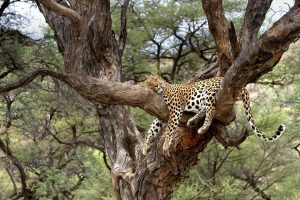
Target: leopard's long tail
246, 102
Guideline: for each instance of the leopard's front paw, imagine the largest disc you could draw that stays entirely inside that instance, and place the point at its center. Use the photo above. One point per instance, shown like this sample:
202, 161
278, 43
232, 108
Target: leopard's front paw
191, 123
201, 131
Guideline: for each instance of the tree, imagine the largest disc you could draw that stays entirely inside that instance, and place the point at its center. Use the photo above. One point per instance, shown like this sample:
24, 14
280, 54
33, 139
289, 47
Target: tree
93, 63
46, 152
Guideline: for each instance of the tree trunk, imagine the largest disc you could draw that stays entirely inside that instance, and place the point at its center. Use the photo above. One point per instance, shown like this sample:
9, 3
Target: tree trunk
92, 59
89, 58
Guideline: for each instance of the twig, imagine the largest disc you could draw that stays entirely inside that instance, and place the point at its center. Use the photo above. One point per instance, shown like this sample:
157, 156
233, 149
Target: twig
31, 76
296, 148
16, 162
4, 5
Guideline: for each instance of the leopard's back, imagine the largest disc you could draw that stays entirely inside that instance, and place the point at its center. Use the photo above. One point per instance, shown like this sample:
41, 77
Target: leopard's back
177, 94
204, 94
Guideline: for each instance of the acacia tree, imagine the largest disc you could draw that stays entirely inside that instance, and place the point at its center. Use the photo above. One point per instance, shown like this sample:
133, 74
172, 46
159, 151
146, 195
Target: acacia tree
93, 63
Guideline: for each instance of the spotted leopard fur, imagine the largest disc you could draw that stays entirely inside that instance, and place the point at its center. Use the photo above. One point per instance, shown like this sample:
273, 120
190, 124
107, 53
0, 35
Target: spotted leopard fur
200, 98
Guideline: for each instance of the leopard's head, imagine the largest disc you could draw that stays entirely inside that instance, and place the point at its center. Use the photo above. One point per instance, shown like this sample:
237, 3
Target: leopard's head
155, 82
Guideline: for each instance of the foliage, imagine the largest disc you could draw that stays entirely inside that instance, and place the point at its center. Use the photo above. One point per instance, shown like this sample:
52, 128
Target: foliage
171, 34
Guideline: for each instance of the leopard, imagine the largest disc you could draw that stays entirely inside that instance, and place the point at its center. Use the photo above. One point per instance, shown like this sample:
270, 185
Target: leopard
199, 98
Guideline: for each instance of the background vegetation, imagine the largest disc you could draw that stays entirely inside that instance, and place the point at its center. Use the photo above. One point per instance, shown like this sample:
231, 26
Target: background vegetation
49, 134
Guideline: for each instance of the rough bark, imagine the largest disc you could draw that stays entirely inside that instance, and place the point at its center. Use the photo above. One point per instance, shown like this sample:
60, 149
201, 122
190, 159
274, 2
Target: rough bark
92, 67
223, 33
254, 17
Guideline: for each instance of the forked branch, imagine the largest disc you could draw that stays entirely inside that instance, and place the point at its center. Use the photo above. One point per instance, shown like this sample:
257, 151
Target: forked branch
296, 148
259, 58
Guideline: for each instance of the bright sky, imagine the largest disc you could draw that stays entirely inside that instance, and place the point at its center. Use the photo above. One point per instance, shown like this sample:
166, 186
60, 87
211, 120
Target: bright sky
279, 7
37, 21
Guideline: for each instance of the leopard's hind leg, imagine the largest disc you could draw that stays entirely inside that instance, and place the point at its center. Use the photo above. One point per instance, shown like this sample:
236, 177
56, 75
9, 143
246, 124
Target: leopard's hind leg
152, 134
209, 113
173, 122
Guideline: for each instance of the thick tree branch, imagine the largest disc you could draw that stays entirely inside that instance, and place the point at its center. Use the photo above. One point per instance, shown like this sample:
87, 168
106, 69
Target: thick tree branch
222, 32
116, 93
31, 76
262, 55
230, 141
102, 91
255, 14
62, 10
259, 58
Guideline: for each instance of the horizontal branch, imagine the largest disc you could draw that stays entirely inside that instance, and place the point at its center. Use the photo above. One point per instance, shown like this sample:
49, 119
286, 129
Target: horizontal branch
31, 76
62, 10
104, 91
